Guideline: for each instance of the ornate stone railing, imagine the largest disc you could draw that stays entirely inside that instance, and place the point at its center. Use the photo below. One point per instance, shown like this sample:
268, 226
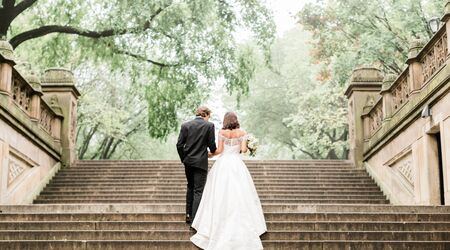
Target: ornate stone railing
400, 91
381, 107
37, 124
376, 117
424, 62
47, 117
434, 55
22, 92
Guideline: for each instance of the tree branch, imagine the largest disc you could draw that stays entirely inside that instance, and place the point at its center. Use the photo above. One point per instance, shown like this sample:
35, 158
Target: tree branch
22, 6
8, 4
137, 56
48, 29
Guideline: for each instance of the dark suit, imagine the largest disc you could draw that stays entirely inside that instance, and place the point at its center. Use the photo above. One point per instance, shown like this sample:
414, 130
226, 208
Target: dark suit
194, 139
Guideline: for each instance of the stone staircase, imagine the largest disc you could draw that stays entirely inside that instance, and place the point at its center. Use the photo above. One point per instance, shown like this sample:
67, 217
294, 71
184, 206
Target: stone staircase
140, 205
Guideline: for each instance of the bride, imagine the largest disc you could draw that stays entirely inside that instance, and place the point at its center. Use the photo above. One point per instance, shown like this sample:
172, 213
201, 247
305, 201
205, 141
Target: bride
230, 215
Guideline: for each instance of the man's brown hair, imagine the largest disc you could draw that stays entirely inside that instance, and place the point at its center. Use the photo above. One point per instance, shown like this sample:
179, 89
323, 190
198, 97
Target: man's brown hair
203, 111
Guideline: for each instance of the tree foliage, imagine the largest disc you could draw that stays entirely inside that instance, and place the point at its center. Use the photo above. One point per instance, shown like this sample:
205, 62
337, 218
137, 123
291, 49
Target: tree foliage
172, 49
293, 115
347, 33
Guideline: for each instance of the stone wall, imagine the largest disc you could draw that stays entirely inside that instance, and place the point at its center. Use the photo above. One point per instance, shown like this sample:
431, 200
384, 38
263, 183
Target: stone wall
405, 148
37, 127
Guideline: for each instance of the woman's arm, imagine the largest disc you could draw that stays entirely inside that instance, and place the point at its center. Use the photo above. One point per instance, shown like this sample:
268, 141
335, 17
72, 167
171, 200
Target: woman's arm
219, 150
244, 147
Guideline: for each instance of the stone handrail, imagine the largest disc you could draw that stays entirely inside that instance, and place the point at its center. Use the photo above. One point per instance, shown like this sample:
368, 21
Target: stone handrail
22, 92
375, 118
434, 55
380, 106
37, 121
47, 115
400, 91
397, 91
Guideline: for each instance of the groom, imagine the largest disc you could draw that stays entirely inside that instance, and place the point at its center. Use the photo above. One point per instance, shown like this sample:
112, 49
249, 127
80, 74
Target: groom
195, 136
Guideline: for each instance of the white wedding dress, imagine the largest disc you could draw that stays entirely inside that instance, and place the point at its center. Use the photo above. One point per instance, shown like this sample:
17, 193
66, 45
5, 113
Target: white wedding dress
230, 215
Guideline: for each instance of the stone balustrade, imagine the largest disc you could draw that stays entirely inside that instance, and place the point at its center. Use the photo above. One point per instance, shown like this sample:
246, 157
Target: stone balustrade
399, 125
37, 127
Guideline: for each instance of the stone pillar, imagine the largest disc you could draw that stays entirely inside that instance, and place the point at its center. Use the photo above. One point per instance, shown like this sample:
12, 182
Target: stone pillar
4, 169
446, 21
365, 83
387, 96
366, 118
415, 66
445, 144
61, 83
430, 179
57, 121
6, 67
35, 82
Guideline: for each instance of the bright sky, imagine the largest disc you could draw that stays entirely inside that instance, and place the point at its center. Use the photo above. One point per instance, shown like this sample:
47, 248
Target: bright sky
284, 12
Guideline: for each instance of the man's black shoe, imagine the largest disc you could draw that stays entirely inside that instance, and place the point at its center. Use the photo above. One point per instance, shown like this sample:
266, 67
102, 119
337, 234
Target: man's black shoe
188, 219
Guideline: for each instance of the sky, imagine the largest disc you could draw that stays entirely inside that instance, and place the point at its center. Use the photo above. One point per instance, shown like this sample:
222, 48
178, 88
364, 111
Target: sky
284, 13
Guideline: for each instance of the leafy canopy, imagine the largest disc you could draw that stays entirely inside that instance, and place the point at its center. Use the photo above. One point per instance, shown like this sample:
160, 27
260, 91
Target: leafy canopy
173, 49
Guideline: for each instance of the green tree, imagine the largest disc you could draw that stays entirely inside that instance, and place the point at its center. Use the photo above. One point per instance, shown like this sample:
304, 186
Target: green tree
172, 49
292, 114
347, 33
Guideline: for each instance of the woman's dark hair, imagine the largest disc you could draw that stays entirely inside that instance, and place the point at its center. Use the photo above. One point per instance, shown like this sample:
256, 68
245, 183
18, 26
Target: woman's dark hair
230, 121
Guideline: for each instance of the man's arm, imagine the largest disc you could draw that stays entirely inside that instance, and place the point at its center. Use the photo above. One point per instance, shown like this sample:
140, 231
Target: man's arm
181, 142
211, 139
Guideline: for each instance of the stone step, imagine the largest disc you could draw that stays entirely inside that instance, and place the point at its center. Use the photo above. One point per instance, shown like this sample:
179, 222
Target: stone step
178, 169
182, 175
270, 216
170, 193
182, 178
185, 234
183, 181
185, 244
182, 186
300, 208
344, 226
164, 201
276, 189
182, 197
255, 162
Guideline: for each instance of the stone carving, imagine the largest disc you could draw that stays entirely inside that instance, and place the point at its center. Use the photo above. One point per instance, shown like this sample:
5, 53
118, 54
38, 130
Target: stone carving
73, 125
405, 169
21, 93
376, 117
59, 76
351, 125
435, 57
46, 118
400, 92
15, 169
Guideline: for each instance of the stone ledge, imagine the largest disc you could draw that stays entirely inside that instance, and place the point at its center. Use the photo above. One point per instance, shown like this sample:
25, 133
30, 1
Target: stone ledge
19, 120
429, 94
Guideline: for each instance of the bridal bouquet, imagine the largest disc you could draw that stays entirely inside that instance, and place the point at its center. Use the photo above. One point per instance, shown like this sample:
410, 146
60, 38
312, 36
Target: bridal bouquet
252, 144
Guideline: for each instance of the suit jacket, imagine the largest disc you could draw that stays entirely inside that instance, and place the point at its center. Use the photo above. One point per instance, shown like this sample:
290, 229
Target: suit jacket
195, 136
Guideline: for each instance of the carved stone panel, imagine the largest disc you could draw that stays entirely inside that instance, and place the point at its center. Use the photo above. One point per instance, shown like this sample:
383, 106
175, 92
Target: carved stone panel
402, 165
16, 168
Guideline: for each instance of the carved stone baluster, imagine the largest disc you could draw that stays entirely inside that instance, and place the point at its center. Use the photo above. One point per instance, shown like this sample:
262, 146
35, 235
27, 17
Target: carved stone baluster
6, 67
416, 75
388, 98
35, 82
